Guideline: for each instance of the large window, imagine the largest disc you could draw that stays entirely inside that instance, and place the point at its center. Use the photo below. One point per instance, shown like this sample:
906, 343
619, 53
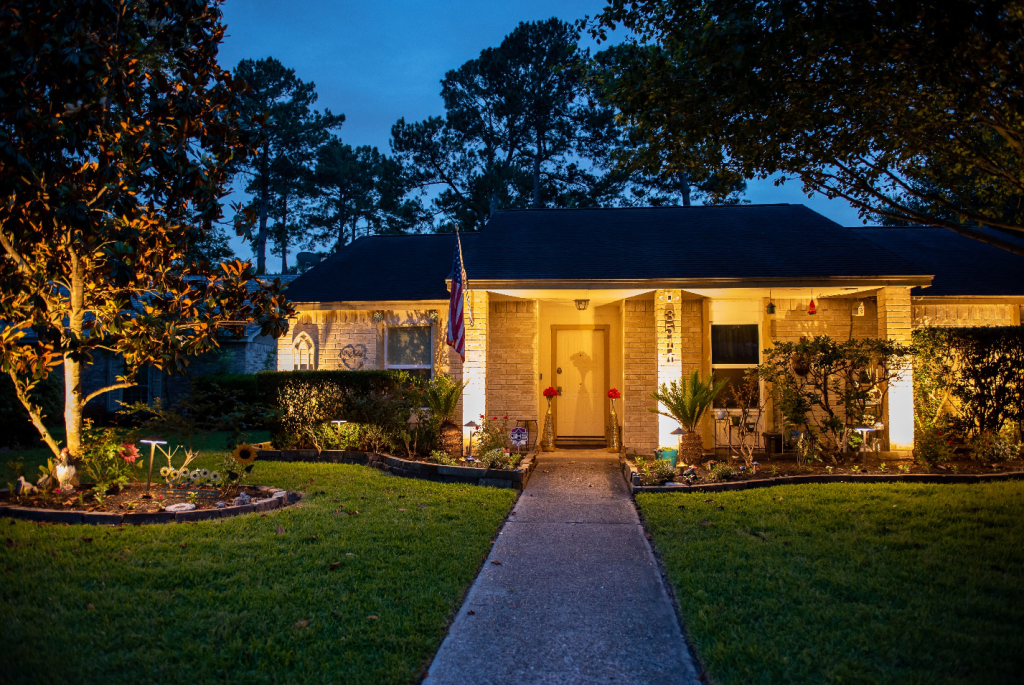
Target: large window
410, 348
303, 353
735, 349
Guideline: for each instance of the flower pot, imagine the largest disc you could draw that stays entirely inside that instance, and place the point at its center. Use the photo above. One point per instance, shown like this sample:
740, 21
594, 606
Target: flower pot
801, 366
667, 455
720, 414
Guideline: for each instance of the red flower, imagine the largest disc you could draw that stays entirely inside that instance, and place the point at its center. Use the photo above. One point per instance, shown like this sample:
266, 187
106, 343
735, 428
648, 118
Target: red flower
494, 418
550, 392
505, 416
614, 394
128, 452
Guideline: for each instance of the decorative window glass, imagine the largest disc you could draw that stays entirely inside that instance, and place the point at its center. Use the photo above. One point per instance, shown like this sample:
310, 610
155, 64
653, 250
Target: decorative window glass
735, 350
303, 353
410, 348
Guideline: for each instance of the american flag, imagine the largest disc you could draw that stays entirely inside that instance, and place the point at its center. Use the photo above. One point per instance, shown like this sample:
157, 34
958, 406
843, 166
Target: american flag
456, 322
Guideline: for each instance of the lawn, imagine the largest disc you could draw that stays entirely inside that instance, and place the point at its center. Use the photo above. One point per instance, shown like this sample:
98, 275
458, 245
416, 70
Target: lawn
847, 583
251, 598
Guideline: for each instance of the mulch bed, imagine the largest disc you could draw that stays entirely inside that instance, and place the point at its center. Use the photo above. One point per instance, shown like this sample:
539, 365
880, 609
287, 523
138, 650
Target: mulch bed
132, 498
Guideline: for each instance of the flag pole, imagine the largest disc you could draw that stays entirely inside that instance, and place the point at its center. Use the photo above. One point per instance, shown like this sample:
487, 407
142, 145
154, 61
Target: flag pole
467, 302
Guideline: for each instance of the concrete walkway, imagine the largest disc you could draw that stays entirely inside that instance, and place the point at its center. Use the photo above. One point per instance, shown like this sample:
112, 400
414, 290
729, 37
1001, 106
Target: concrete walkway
577, 597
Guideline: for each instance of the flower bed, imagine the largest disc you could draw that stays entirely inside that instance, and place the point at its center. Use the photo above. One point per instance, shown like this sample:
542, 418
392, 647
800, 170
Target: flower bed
407, 468
791, 473
167, 505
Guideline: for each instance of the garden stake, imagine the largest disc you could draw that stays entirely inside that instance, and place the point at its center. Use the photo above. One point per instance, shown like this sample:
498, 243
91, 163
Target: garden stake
152, 442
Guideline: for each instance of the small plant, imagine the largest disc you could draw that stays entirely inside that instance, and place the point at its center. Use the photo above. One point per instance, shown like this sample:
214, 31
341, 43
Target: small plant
719, 473
442, 457
193, 497
442, 398
904, 468
829, 469
932, 444
988, 447
493, 434
654, 471
881, 467
499, 459
855, 468
687, 401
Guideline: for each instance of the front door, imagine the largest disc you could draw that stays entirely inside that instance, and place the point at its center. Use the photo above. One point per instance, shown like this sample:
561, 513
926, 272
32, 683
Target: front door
580, 374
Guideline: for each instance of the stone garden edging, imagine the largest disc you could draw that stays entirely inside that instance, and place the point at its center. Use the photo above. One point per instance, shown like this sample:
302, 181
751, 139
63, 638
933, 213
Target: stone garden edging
633, 477
278, 499
407, 468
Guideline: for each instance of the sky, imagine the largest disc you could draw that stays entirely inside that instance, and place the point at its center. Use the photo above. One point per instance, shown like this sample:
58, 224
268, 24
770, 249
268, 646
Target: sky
376, 62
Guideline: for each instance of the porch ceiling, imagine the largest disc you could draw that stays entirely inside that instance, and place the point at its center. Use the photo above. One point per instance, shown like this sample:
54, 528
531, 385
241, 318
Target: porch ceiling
784, 292
597, 297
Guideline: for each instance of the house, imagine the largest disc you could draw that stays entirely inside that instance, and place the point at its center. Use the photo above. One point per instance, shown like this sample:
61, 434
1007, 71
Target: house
590, 299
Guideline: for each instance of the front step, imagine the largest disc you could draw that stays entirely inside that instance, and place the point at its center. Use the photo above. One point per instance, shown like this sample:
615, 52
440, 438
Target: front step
581, 443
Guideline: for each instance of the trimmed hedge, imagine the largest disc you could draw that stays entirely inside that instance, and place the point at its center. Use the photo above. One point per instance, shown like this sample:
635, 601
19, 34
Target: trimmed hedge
263, 387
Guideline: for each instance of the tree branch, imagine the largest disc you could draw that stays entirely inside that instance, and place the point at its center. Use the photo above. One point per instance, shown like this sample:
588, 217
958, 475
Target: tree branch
35, 414
116, 386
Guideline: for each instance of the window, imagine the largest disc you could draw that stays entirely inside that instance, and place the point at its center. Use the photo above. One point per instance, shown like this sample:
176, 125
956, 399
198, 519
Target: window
303, 353
410, 348
735, 349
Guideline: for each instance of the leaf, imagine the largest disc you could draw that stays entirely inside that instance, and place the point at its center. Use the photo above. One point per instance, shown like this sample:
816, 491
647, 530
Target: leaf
497, 563
301, 624
335, 565
280, 530
372, 617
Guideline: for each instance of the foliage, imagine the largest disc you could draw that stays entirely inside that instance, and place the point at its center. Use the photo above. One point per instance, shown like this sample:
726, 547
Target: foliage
970, 378
932, 445
442, 397
410, 568
287, 134
119, 127
358, 189
492, 435
654, 471
306, 412
747, 397
16, 427
896, 553
687, 401
522, 128
719, 472
843, 388
443, 458
930, 134
991, 448
106, 460
499, 459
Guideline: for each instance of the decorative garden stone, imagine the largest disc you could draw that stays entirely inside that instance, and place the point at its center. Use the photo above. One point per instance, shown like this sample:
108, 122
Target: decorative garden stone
181, 506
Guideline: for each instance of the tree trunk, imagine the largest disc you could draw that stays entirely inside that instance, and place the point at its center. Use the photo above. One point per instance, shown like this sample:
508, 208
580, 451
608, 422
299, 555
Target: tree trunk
73, 393
284, 238
691, 448
450, 440
261, 235
536, 173
684, 188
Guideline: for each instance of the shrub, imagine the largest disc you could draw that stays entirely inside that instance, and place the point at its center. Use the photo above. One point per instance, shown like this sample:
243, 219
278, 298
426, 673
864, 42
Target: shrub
493, 434
442, 457
719, 472
109, 457
499, 459
990, 447
827, 388
654, 471
972, 377
932, 445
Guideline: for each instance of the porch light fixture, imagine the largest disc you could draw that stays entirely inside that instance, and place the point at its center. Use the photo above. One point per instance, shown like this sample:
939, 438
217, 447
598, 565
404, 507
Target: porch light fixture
770, 307
582, 304
859, 309
152, 442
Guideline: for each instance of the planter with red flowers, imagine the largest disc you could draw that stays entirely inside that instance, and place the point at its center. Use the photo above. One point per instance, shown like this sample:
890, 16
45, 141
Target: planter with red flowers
614, 445
548, 442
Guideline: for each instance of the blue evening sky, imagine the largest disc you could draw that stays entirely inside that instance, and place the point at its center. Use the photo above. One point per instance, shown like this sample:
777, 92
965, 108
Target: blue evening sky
376, 62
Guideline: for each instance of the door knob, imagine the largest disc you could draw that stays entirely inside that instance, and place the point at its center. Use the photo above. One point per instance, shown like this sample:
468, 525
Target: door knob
559, 370
559, 388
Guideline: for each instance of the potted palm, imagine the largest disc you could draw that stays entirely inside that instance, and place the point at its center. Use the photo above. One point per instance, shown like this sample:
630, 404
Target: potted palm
442, 398
687, 402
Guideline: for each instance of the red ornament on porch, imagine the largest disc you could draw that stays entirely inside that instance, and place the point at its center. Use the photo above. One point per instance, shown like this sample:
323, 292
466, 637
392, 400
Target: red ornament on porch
811, 309
614, 394
550, 392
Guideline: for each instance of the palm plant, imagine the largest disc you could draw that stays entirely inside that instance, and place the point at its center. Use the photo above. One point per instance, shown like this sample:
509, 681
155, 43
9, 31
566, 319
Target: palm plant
442, 398
687, 402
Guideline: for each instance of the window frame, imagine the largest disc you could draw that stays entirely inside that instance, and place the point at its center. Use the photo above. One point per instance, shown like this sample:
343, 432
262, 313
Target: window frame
410, 367
718, 404
303, 336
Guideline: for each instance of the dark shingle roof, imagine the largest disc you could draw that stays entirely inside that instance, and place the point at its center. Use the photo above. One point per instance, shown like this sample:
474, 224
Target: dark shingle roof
961, 265
738, 241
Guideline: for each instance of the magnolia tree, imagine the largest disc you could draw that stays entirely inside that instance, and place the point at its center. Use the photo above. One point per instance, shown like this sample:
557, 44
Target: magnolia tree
117, 128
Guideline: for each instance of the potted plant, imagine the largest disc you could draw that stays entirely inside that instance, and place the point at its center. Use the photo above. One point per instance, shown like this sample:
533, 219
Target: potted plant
687, 402
548, 441
442, 398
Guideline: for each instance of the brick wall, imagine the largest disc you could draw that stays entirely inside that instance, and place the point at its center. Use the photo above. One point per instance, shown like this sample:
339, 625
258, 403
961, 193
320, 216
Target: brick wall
640, 376
834, 318
512, 357
930, 313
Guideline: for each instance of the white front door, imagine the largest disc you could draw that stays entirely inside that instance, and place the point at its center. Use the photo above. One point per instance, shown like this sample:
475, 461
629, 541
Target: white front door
579, 372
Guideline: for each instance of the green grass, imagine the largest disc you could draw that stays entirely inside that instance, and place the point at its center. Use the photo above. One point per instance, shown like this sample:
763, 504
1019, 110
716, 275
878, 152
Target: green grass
846, 583
219, 601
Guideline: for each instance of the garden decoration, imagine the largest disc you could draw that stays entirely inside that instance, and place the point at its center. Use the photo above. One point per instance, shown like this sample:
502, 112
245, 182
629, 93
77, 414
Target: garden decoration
548, 441
152, 442
519, 437
686, 402
473, 427
613, 395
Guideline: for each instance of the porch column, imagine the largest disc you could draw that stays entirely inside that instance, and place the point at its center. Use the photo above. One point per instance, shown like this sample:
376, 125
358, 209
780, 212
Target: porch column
474, 369
894, 323
668, 331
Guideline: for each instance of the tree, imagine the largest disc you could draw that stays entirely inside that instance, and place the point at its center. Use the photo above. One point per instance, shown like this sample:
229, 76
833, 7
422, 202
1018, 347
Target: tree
355, 188
522, 128
906, 110
288, 133
117, 129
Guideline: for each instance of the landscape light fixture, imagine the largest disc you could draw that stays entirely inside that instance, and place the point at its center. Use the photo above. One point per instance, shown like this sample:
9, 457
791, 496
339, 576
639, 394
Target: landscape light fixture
680, 432
472, 426
582, 304
152, 442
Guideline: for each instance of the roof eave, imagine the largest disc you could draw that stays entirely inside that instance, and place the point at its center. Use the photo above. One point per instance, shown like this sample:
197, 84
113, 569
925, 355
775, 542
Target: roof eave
687, 283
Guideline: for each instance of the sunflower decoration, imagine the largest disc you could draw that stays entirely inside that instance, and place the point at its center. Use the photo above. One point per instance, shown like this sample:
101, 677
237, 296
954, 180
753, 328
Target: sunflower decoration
244, 454
173, 474
194, 476
204, 474
215, 477
164, 471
